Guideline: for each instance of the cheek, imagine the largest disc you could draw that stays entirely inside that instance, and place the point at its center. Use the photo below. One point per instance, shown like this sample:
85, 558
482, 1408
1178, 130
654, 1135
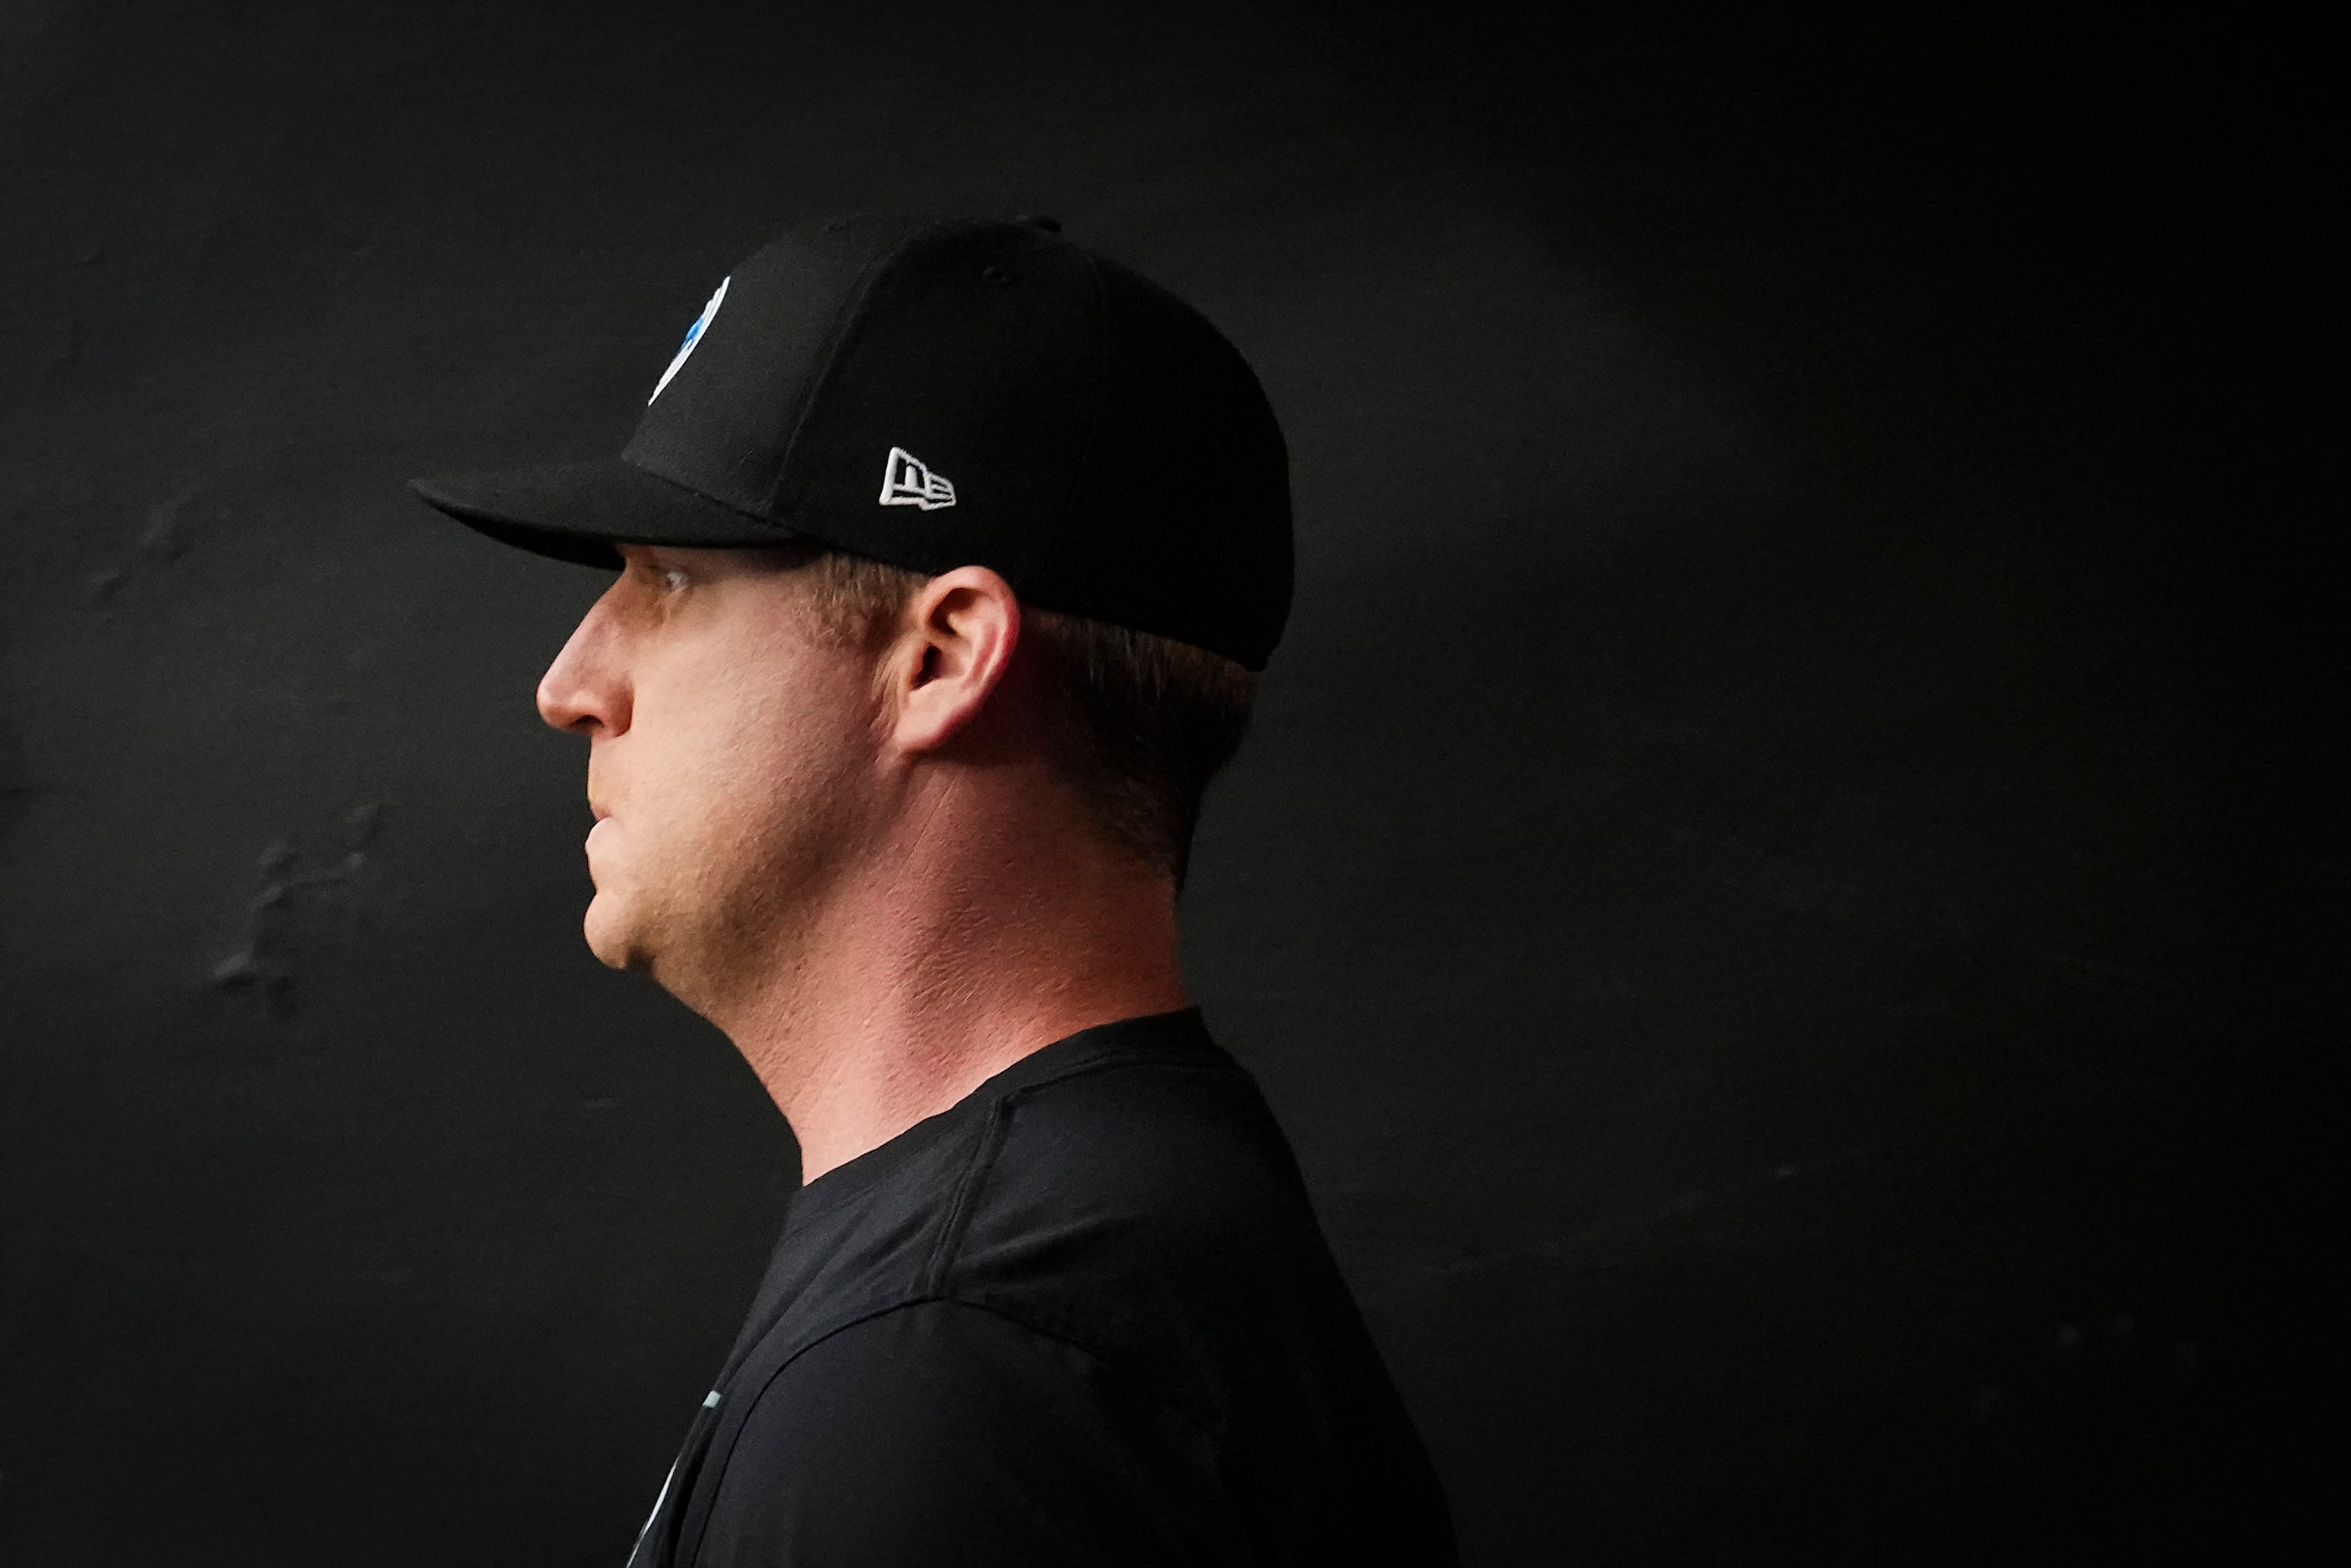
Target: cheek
779, 770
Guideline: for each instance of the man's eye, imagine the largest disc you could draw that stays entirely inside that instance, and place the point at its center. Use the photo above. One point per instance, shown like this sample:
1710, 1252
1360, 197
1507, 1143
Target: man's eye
673, 577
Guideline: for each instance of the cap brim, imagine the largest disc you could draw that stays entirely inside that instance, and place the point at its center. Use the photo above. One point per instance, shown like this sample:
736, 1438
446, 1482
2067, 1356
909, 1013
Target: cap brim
581, 511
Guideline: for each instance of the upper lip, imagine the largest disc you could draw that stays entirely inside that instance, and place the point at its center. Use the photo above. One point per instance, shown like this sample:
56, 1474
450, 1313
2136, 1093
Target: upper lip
602, 812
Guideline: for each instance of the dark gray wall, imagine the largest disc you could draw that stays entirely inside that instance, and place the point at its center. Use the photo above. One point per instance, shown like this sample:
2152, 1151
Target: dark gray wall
1776, 890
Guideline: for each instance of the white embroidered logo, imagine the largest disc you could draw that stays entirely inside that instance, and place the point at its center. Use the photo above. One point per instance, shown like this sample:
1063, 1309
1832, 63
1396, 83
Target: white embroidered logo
693, 336
906, 481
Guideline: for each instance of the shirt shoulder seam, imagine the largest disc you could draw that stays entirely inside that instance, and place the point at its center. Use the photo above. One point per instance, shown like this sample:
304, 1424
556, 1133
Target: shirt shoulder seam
959, 1207
933, 1281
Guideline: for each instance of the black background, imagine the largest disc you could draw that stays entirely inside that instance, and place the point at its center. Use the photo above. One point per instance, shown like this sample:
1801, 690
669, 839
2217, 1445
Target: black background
1783, 889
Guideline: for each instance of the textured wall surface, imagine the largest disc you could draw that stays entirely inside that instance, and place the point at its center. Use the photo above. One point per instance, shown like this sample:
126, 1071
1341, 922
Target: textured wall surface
1775, 888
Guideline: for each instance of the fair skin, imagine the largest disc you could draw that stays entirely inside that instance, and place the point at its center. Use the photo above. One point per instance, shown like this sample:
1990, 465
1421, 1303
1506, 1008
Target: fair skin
859, 864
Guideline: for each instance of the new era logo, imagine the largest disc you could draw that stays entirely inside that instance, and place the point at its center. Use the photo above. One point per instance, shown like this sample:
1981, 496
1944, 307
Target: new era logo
907, 482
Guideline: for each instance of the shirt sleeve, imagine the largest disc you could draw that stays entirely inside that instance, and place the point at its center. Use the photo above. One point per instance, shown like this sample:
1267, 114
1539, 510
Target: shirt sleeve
943, 1433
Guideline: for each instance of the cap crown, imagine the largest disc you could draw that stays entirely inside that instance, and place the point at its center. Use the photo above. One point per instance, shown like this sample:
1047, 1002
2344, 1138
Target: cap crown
1101, 445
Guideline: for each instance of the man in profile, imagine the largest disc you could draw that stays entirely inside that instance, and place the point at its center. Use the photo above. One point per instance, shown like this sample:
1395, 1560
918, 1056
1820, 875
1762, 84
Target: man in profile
948, 551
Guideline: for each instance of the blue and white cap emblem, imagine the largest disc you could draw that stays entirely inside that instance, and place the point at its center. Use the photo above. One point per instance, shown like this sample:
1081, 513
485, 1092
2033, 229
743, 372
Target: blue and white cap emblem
693, 336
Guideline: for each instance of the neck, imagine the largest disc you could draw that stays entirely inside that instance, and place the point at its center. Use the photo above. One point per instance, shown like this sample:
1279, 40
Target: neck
954, 957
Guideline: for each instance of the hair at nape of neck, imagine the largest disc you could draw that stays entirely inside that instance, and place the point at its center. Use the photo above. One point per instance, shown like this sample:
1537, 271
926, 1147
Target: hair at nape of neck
1143, 722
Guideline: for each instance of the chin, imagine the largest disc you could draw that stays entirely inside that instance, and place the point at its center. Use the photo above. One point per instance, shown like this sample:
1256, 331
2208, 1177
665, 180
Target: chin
609, 938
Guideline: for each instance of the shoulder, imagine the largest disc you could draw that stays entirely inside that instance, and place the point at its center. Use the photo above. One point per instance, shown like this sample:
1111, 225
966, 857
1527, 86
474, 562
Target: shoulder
939, 1431
1126, 1171
1151, 1212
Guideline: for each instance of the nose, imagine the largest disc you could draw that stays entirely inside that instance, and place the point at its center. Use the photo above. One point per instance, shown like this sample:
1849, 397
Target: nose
586, 691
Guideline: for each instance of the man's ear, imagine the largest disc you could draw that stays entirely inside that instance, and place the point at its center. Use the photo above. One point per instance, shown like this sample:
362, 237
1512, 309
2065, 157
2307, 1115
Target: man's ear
955, 645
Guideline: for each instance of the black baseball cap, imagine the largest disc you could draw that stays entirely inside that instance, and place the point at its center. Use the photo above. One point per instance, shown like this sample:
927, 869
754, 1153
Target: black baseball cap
935, 394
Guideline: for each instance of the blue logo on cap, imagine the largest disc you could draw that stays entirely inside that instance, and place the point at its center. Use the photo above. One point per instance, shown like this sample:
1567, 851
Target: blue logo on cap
693, 336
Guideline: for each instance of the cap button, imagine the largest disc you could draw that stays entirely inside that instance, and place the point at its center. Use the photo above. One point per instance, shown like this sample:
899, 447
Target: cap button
1039, 220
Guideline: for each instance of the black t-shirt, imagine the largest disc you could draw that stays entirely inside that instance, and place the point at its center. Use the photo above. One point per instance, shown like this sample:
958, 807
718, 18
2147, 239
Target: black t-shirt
1083, 1316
